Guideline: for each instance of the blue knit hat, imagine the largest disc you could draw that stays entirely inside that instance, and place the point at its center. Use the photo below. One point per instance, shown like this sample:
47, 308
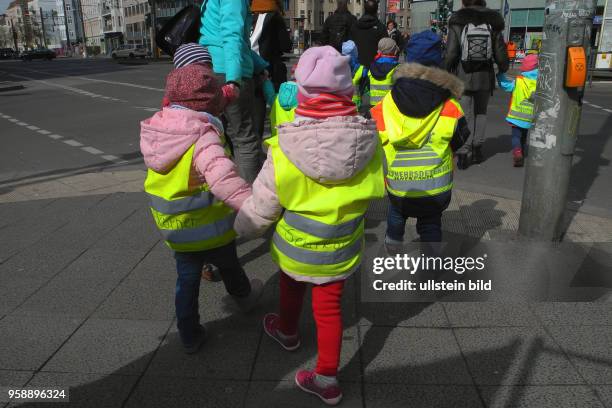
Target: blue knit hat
425, 48
189, 53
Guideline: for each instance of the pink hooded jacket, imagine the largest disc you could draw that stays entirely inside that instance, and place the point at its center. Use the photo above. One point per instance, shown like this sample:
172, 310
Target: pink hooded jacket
328, 151
166, 136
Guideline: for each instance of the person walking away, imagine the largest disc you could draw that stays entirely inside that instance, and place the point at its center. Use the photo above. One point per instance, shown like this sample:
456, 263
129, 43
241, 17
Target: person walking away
358, 71
475, 42
420, 124
520, 114
337, 27
380, 74
367, 32
194, 190
225, 28
318, 179
395, 34
270, 39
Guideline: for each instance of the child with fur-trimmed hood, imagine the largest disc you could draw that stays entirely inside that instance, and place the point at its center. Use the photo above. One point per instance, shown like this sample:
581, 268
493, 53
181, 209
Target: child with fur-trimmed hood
420, 124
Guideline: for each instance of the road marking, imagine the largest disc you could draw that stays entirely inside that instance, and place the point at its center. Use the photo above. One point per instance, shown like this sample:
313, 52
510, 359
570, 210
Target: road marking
73, 143
608, 110
14, 120
91, 150
595, 106
147, 108
69, 142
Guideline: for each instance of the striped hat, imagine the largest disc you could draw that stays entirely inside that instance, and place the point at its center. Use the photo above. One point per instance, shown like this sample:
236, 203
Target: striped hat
189, 53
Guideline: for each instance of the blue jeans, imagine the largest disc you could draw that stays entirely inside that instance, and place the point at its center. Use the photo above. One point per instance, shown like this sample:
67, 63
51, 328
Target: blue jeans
189, 270
427, 211
519, 136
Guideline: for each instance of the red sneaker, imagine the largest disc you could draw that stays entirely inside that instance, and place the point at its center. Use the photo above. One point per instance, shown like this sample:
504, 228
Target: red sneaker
517, 157
331, 394
271, 322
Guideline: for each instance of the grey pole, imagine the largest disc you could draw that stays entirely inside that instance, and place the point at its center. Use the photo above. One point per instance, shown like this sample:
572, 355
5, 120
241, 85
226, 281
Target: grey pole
68, 46
557, 116
42, 28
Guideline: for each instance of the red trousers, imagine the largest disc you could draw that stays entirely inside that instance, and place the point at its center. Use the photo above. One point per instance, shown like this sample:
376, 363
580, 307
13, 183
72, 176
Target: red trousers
327, 314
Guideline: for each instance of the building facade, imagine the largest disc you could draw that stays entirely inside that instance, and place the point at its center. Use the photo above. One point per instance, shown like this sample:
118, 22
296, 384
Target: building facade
19, 19
137, 32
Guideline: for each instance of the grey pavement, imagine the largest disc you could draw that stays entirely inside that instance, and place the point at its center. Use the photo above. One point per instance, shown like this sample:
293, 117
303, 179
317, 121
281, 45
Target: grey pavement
87, 287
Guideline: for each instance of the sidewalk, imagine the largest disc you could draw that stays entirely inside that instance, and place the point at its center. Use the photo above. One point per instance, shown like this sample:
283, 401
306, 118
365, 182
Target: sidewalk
86, 302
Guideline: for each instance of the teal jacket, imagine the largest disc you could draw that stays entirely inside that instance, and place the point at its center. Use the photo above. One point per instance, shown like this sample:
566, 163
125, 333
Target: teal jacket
225, 29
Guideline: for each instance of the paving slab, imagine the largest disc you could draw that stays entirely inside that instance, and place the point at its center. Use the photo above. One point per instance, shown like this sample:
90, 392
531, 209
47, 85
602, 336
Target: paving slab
85, 390
605, 394
164, 392
546, 396
27, 342
122, 347
590, 350
158, 265
137, 232
83, 286
574, 313
405, 355
282, 394
402, 314
515, 356
421, 396
12, 379
229, 353
489, 314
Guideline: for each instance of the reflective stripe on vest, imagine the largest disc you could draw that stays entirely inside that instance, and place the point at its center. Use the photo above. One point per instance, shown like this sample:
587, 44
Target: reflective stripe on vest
321, 231
380, 88
424, 171
521, 104
188, 219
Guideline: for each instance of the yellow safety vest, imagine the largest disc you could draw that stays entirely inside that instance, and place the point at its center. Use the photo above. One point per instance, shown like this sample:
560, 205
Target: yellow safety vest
189, 219
424, 166
278, 116
380, 88
357, 78
521, 104
321, 231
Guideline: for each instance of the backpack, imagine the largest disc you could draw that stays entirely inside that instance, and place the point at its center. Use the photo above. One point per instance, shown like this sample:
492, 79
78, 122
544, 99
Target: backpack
183, 28
476, 47
338, 31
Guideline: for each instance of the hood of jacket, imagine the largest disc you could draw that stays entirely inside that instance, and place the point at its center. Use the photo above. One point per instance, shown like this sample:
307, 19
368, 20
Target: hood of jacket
331, 150
168, 134
418, 93
381, 67
368, 21
478, 15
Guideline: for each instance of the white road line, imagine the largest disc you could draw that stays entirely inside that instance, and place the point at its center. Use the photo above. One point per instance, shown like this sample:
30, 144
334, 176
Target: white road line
147, 108
56, 137
32, 127
91, 150
22, 123
595, 106
44, 132
110, 157
122, 84
608, 110
14, 120
73, 143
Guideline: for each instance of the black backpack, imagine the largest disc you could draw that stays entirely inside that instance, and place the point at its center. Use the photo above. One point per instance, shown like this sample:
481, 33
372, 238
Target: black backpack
338, 31
183, 28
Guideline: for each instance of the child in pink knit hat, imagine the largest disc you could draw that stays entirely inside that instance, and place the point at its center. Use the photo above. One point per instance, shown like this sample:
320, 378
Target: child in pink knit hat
520, 114
194, 190
320, 174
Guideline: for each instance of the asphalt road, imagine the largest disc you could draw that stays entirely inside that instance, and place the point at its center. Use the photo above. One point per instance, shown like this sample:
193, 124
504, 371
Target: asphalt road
83, 115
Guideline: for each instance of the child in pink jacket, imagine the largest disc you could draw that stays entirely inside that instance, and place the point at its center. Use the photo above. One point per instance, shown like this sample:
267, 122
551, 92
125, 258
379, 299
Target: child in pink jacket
319, 176
195, 190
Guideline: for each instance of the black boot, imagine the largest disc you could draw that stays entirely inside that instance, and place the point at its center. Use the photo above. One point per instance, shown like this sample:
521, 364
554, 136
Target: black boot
477, 156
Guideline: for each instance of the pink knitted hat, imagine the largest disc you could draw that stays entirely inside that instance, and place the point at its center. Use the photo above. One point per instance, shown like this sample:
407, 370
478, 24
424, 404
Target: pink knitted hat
323, 70
530, 62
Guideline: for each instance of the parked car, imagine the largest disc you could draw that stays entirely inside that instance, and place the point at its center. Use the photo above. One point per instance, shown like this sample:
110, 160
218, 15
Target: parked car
130, 51
7, 53
40, 53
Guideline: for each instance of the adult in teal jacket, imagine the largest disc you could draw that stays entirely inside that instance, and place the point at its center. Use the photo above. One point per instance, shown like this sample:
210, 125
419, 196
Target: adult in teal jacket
225, 29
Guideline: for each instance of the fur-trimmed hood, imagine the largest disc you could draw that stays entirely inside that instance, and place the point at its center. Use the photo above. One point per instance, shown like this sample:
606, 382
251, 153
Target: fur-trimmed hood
419, 90
478, 15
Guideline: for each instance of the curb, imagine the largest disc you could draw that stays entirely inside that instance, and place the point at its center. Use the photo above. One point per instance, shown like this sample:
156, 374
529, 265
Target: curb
10, 88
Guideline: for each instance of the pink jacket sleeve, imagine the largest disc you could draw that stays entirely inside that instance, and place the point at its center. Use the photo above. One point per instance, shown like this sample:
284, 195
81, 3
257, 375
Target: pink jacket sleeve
219, 171
263, 208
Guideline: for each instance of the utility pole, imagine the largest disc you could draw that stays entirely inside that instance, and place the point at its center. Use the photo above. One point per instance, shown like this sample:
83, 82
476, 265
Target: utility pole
42, 28
154, 50
558, 106
14, 35
83, 28
68, 45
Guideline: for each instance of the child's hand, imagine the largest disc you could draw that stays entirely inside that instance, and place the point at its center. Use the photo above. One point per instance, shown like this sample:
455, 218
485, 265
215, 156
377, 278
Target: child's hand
230, 92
